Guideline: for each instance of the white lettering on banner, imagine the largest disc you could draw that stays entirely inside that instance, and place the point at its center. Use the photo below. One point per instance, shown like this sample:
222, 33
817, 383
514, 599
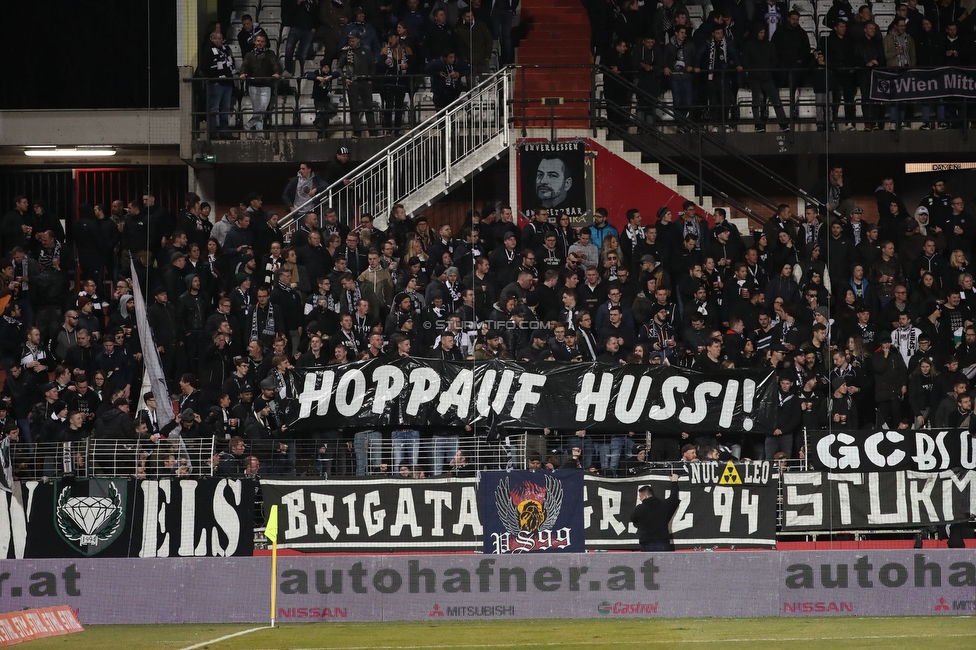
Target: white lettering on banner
697, 415
967, 449
225, 514
722, 499
875, 514
367, 391
458, 395
671, 387
728, 404
849, 457
500, 392
875, 456
899, 498
351, 405
843, 481
598, 399
923, 496
918, 85
527, 393
439, 499
317, 390
629, 409
352, 528
683, 518
525, 542
925, 447
323, 509
296, 521
962, 483
426, 384
611, 510
188, 509
468, 512
795, 482
154, 518
750, 508
389, 384
406, 515
371, 514
723, 507
707, 472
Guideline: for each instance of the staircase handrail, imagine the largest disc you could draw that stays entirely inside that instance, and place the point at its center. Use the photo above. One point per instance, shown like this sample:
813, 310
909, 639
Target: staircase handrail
713, 139
501, 78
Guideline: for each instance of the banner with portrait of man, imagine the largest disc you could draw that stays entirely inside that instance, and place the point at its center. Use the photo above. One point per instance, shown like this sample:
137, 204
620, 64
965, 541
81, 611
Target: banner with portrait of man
552, 175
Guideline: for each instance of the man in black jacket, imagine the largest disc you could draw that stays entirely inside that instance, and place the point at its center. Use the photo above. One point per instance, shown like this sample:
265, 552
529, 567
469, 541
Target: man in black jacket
168, 333
652, 517
789, 418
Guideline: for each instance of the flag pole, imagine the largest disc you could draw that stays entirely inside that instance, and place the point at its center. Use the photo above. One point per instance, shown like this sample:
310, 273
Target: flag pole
274, 579
271, 532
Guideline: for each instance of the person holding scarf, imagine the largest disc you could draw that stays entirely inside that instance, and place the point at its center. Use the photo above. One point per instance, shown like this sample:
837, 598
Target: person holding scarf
265, 321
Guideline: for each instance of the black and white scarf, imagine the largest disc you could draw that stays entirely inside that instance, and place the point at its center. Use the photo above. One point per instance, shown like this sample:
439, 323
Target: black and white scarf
47, 256
223, 61
352, 297
717, 56
268, 328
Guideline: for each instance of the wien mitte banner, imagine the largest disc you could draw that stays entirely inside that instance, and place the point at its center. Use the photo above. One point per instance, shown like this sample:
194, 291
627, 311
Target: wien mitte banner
922, 83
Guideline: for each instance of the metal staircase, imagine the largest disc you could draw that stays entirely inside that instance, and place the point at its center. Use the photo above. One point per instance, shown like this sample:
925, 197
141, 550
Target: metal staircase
426, 163
699, 156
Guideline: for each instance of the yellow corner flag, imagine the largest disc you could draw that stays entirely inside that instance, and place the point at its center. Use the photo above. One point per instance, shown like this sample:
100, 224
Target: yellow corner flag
271, 532
271, 529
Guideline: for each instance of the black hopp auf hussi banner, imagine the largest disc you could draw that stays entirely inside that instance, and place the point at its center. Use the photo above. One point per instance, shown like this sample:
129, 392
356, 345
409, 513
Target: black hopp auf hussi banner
412, 392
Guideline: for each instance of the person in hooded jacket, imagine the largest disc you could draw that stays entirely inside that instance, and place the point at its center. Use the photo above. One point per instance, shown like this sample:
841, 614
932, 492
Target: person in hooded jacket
869, 54
114, 423
87, 237
759, 58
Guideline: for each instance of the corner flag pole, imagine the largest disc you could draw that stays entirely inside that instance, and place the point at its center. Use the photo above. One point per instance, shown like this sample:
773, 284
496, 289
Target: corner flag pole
271, 532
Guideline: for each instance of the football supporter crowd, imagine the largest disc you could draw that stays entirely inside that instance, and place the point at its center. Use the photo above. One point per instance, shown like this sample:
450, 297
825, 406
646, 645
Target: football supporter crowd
865, 324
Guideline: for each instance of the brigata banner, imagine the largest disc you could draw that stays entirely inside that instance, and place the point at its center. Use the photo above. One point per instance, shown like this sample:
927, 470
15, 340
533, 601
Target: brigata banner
375, 514
922, 83
720, 506
856, 501
882, 450
533, 512
413, 392
127, 518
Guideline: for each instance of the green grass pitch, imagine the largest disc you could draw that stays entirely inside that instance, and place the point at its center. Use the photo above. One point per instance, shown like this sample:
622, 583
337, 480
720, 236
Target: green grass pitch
892, 633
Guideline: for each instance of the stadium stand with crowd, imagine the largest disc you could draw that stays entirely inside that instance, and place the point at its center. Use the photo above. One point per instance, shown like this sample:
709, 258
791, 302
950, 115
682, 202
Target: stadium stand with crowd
865, 324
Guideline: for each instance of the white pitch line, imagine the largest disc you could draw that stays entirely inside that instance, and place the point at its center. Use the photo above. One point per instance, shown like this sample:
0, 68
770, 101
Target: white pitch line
556, 644
224, 638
